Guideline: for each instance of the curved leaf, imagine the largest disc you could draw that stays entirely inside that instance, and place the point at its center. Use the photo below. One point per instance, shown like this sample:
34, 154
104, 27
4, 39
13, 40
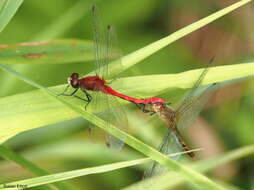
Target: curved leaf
35, 109
163, 182
46, 52
7, 10
187, 173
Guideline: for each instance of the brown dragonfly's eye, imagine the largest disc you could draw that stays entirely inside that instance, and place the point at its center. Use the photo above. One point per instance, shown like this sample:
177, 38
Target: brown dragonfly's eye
73, 80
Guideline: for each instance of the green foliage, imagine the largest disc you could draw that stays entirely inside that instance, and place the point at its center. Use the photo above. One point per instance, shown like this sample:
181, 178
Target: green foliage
47, 52
7, 10
10, 155
35, 109
158, 182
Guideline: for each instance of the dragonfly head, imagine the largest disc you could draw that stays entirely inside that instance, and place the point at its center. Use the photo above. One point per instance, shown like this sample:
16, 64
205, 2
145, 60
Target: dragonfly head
73, 80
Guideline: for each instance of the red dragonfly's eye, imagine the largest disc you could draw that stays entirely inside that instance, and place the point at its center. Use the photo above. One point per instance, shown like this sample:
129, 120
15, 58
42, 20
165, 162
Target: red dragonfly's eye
73, 80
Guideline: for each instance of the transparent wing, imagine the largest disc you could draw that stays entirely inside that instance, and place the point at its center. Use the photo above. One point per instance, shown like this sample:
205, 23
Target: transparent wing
105, 44
169, 145
98, 106
113, 114
113, 52
116, 113
189, 97
99, 43
186, 116
116, 116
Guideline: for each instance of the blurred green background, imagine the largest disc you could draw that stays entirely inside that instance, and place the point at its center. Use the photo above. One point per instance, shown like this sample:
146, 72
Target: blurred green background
225, 124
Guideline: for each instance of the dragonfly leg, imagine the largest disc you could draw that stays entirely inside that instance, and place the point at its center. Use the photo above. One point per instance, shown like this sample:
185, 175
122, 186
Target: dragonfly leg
89, 98
143, 108
88, 102
152, 112
147, 110
63, 93
139, 106
81, 98
71, 94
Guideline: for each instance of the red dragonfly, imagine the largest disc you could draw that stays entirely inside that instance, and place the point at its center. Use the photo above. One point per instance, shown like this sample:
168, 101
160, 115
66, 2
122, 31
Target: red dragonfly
106, 50
181, 117
105, 47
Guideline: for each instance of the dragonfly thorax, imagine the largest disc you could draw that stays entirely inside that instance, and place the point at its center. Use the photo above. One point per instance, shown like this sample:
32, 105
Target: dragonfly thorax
166, 113
94, 83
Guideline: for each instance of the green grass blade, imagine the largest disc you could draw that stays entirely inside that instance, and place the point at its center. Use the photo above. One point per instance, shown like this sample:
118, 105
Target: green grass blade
33, 182
139, 55
135, 57
161, 83
187, 173
190, 175
7, 10
47, 179
35, 109
163, 182
64, 22
155, 183
47, 52
10, 155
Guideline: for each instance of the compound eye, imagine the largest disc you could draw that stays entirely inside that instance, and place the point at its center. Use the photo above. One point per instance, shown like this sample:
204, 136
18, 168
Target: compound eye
75, 76
74, 83
73, 80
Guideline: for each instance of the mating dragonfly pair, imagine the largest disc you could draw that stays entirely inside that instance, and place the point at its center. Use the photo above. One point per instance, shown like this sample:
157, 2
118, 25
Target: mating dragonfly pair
106, 50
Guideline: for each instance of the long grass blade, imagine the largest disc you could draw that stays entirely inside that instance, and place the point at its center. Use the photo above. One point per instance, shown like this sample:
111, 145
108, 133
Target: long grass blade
8, 8
187, 173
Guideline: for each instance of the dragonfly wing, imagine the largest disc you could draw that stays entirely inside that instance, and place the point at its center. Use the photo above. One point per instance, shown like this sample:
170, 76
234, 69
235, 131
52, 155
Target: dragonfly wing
187, 115
114, 53
105, 51
99, 42
106, 47
169, 145
188, 98
116, 116
98, 106
110, 115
